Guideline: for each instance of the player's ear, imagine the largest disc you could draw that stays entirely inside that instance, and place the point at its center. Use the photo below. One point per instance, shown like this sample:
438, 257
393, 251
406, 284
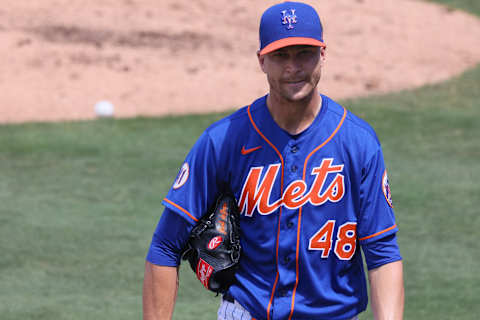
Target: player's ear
261, 60
323, 54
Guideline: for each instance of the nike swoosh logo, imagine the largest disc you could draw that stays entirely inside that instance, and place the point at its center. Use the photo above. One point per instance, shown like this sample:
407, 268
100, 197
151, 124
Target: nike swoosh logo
247, 151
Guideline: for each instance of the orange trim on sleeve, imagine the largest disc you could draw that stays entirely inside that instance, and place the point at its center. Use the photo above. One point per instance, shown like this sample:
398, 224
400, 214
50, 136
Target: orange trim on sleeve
378, 233
300, 210
279, 212
181, 209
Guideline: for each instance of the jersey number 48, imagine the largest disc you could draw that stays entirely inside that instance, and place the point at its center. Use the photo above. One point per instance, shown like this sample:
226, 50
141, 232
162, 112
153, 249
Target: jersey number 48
345, 244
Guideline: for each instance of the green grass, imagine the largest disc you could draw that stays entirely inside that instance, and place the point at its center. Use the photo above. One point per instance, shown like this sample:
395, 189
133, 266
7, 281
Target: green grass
430, 139
79, 202
472, 6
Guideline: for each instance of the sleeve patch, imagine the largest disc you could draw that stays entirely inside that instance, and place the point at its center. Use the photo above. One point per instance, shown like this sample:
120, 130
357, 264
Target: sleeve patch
386, 189
182, 176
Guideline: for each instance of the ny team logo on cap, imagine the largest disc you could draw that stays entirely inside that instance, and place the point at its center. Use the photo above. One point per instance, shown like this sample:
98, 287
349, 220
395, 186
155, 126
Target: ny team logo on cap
287, 24
289, 18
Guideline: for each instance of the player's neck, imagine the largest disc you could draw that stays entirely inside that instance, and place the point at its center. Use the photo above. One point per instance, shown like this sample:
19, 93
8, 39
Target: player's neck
294, 116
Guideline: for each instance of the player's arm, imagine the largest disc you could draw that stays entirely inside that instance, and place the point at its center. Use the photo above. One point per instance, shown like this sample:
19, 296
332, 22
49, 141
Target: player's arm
385, 274
387, 291
160, 285
377, 235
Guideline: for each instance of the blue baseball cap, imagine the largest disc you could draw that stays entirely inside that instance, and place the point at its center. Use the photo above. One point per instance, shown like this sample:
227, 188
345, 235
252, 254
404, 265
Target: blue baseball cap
288, 24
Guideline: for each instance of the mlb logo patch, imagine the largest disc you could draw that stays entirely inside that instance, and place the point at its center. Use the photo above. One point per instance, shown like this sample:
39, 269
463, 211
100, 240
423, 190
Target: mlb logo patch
204, 271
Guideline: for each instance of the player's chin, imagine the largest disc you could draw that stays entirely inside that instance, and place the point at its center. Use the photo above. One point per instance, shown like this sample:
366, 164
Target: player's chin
298, 94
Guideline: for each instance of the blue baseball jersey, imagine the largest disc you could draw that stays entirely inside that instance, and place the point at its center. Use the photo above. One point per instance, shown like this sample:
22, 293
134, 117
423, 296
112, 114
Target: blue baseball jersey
307, 202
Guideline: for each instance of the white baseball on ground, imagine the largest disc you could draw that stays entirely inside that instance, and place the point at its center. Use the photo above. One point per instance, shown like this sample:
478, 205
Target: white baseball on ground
104, 109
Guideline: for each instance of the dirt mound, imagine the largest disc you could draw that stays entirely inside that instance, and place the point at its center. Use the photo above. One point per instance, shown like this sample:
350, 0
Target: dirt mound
175, 56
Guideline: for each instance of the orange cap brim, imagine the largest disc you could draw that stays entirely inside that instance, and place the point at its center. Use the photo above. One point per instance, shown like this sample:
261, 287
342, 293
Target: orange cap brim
291, 41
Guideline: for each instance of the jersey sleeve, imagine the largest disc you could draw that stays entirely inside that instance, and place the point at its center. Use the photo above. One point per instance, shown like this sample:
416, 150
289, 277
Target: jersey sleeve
382, 251
196, 185
376, 219
169, 239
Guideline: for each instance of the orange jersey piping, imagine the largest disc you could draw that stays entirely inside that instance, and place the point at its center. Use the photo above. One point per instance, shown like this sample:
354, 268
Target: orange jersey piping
300, 209
181, 209
378, 233
279, 211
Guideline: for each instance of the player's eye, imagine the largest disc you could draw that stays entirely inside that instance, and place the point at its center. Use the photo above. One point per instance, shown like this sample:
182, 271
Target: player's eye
305, 53
280, 55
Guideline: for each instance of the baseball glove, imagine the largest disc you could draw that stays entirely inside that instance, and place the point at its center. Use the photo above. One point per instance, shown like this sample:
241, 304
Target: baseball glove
213, 248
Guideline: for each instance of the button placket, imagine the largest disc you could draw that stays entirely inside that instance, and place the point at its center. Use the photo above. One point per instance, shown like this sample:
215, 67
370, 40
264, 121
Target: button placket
287, 239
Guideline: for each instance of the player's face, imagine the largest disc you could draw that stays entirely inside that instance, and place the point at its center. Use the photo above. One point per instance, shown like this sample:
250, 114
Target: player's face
293, 72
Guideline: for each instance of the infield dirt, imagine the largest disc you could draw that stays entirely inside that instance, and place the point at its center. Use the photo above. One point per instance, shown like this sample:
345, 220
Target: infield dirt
154, 58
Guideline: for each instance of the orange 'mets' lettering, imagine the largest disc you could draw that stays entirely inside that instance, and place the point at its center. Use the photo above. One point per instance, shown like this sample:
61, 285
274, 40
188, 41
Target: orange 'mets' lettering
256, 193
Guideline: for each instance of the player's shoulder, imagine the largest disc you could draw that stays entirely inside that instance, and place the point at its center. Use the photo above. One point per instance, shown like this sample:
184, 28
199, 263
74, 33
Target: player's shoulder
235, 118
236, 121
352, 124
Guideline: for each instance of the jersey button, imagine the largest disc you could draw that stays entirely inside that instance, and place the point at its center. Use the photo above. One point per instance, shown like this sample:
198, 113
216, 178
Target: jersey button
294, 168
286, 259
290, 225
283, 293
294, 149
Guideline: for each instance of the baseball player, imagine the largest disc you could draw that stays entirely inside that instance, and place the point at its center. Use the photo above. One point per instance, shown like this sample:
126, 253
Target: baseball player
312, 188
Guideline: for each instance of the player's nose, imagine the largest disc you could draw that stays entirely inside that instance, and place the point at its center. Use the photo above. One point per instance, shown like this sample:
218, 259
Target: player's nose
292, 66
